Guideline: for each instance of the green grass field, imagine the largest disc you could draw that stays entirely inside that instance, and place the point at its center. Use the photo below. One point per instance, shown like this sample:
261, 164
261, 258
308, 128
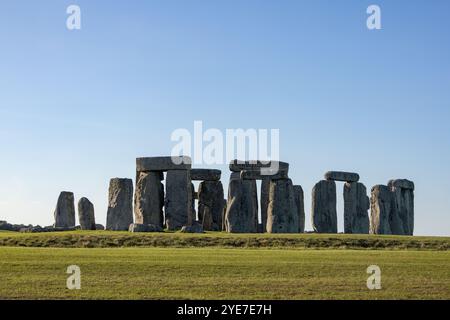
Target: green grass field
221, 266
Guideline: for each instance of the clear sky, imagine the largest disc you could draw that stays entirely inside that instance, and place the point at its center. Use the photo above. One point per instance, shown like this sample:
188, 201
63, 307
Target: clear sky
77, 107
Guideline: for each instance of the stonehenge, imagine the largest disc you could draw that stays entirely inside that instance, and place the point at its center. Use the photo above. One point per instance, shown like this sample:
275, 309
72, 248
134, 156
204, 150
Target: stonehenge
65, 210
120, 205
165, 197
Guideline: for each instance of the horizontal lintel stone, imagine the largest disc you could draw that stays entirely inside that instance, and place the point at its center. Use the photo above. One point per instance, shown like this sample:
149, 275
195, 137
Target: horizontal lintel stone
163, 163
205, 174
342, 176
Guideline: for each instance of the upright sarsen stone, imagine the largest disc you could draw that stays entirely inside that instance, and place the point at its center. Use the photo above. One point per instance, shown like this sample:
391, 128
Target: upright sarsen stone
403, 193
210, 201
86, 214
324, 215
265, 190
381, 209
282, 213
120, 206
65, 210
178, 202
356, 206
149, 199
242, 206
300, 202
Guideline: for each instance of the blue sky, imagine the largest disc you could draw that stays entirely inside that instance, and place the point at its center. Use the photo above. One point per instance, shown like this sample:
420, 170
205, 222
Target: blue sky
77, 107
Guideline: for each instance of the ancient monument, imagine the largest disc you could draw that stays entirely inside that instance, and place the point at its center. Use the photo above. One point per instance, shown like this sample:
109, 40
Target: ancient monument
281, 202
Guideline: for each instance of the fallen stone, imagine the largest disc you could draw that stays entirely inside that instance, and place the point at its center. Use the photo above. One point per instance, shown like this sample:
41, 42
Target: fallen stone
300, 202
266, 167
196, 227
356, 206
205, 174
163, 163
282, 213
65, 210
242, 206
210, 202
381, 210
260, 175
86, 214
342, 176
149, 199
136, 227
324, 215
178, 202
120, 205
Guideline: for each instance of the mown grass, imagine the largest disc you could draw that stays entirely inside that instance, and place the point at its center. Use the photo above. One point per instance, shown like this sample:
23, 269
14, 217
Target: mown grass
107, 239
219, 273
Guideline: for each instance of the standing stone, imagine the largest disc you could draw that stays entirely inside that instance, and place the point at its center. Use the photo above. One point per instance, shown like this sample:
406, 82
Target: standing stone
403, 193
149, 199
356, 206
224, 212
120, 206
324, 215
86, 214
300, 202
178, 202
282, 212
210, 198
194, 197
381, 208
242, 206
65, 211
265, 190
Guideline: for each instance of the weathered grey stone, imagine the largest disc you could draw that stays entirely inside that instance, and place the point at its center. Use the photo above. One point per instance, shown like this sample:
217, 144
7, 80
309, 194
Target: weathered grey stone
242, 206
196, 227
120, 204
268, 167
178, 202
210, 205
224, 220
65, 210
264, 202
99, 227
323, 208
381, 210
300, 202
401, 183
342, 176
403, 194
86, 214
260, 175
282, 213
136, 227
149, 199
193, 211
163, 163
205, 174
356, 206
